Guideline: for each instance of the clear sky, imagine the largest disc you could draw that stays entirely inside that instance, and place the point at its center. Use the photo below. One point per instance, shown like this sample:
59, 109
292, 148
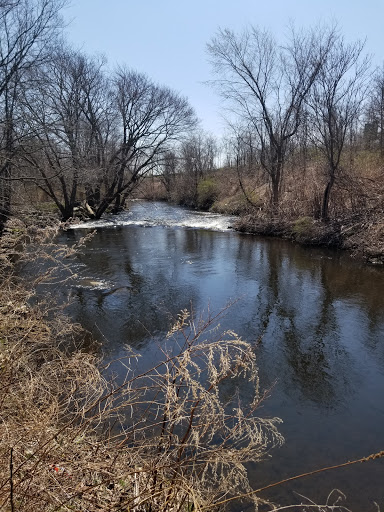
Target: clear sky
167, 39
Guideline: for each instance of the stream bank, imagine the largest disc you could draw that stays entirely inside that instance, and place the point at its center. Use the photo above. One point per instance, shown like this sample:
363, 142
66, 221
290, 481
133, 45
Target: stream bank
361, 234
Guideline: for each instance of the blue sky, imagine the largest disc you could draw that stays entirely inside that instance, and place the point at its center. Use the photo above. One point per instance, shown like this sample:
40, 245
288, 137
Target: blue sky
167, 39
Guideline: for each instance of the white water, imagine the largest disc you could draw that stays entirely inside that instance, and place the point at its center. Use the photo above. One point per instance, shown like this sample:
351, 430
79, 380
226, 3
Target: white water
159, 214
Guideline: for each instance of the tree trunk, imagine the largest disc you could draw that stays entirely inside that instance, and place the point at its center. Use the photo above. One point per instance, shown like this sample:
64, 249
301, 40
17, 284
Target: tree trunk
92, 194
102, 207
275, 196
325, 204
382, 123
6, 171
5, 197
66, 212
118, 206
276, 182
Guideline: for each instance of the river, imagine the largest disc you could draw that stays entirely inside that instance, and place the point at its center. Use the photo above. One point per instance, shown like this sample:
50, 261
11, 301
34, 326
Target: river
316, 317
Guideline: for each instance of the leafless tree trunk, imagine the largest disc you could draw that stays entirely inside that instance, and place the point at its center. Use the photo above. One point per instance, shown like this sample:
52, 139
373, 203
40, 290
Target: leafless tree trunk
168, 168
26, 29
375, 111
335, 104
197, 158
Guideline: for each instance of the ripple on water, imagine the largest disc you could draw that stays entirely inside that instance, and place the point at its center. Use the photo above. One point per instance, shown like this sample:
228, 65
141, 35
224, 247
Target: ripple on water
161, 215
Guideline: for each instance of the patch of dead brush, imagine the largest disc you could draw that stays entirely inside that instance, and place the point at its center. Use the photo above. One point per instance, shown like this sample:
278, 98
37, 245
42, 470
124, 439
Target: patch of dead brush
73, 438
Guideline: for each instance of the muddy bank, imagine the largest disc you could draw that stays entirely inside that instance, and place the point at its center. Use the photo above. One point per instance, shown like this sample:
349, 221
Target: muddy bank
361, 234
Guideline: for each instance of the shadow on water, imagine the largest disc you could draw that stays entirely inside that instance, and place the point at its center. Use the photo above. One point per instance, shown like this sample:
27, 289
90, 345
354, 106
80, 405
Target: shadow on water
316, 318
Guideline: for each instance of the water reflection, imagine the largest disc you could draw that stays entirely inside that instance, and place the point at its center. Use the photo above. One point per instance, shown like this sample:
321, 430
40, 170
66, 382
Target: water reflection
301, 301
320, 314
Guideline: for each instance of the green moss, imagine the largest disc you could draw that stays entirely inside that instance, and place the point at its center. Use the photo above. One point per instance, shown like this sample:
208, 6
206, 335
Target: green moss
237, 204
17, 231
206, 193
303, 227
47, 207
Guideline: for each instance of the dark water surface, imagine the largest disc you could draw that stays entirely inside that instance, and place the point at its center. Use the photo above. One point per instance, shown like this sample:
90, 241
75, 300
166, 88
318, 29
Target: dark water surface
321, 316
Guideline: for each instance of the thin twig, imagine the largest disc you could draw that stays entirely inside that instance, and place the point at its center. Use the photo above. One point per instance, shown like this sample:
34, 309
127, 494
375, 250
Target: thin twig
11, 481
373, 456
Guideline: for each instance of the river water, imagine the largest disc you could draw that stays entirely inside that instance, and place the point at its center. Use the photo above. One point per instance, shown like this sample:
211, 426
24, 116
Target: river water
316, 318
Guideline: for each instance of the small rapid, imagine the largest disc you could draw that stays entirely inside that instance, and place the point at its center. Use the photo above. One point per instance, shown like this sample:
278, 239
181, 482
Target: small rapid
146, 214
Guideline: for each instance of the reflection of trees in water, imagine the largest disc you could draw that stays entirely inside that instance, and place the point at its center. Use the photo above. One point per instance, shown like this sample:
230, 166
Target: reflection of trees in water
198, 242
312, 344
292, 296
144, 294
375, 342
296, 313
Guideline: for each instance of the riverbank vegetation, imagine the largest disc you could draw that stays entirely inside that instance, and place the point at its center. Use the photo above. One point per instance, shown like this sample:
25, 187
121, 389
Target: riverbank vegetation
74, 436
356, 208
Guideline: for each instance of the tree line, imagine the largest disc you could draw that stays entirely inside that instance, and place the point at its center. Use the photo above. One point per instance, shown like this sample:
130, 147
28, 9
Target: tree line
314, 100
314, 91
78, 131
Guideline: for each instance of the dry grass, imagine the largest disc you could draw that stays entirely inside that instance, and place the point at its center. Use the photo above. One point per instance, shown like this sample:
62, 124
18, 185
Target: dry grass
73, 438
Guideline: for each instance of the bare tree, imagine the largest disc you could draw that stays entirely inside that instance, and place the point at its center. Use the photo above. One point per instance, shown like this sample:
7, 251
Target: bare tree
265, 85
148, 119
335, 104
374, 128
198, 154
168, 169
197, 158
68, 117
96, 135
27, 27
243, 153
